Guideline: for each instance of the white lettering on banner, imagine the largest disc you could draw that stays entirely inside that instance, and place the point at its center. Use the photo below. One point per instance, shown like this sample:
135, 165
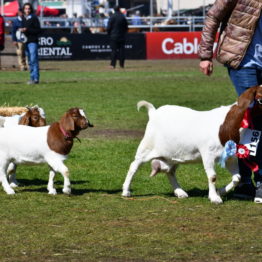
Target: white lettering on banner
45, 40
54, 51
164, 46
183, 47
250, 138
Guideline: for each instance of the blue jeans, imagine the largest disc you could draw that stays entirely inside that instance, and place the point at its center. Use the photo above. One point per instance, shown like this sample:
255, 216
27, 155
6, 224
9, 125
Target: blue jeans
31, 51
242, 79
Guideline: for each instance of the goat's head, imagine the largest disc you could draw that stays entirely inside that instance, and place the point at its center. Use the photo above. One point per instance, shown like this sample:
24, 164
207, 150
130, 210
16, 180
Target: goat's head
74, 120
35, 117
252, 94
229, 130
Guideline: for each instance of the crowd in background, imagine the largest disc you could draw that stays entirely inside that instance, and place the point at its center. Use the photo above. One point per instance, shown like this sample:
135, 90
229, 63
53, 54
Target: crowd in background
96, 20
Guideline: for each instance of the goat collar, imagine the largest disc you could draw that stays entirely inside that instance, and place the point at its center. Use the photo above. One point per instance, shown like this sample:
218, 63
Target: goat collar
68, 135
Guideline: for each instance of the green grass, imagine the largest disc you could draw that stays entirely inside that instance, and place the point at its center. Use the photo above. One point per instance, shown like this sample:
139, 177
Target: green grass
95, 223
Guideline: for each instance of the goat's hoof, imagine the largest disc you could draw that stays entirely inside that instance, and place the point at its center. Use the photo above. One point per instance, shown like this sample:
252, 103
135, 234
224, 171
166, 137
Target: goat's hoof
10, 192
216, 200
180, 193
52, 191
13, 184
126, 193
67, 191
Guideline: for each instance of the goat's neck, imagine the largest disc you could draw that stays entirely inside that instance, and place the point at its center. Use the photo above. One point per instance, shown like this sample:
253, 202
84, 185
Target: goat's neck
58, 141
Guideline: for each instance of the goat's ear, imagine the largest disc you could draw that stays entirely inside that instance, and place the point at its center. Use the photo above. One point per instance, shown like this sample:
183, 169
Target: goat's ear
67, 122
247, 97
25, 119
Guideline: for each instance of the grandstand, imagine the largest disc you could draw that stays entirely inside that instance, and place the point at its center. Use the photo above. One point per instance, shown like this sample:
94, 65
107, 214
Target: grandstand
92, 15
88, 7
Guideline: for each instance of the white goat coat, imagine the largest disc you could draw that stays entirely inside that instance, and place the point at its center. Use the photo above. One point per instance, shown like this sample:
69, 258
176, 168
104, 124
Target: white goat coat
24, 144
181, 134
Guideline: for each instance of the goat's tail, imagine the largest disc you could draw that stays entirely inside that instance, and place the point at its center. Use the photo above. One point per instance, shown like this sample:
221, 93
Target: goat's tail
148, 106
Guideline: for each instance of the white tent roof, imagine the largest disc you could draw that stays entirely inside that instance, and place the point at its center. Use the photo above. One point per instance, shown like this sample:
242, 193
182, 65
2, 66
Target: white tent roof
182, 4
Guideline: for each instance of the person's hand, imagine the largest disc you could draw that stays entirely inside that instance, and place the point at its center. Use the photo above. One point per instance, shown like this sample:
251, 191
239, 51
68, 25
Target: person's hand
206, 66
23, 29
14, 43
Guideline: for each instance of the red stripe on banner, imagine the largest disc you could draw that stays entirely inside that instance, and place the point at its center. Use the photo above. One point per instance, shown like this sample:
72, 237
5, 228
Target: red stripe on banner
170, 45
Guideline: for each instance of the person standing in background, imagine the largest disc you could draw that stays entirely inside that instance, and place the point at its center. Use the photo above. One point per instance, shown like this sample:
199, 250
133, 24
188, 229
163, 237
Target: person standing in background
31, 29
117, 28
18, 41
2, 35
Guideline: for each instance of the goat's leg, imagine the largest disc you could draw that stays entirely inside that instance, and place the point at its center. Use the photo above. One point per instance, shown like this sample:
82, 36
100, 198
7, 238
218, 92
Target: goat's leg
178, 191
232, 166
3, 179
67, 184
11, 172
50, 186
209, 164
59, 166
132, 170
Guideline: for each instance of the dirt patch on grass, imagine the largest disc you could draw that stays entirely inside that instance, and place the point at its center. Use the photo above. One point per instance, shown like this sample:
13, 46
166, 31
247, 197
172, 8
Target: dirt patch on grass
112, 133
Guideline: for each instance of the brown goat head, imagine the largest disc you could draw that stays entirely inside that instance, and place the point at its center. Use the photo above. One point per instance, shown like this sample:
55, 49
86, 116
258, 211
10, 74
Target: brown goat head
74, 120
229, 130
33, 117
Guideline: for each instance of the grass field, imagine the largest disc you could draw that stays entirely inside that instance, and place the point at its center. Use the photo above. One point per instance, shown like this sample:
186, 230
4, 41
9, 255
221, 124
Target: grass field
95, 223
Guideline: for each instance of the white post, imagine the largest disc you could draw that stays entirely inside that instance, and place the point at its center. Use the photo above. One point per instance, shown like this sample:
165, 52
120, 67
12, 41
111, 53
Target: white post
151, 15
169, 8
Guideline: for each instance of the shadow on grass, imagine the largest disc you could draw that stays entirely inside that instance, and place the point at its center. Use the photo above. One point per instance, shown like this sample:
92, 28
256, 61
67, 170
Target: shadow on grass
79, 192
42, 187
195, 192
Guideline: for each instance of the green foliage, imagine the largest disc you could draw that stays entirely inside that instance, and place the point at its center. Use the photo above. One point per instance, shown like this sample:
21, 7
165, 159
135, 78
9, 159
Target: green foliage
95, 223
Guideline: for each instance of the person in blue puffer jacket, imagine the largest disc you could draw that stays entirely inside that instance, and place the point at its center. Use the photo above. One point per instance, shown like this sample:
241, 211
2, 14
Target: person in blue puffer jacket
18, 41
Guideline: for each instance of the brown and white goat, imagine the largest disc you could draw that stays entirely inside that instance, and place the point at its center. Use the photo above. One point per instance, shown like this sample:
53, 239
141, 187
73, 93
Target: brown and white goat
178, 135
35, 117
32, 116
48, 144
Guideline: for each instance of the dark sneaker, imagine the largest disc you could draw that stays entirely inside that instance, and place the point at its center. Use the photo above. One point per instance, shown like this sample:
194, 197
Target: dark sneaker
258, 196
32, 82
245, 191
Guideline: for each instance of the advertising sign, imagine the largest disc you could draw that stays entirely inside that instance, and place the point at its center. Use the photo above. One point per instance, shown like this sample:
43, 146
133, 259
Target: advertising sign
86, 46
170, 45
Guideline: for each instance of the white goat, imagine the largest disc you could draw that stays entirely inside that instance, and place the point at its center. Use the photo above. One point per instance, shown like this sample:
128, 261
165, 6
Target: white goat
178, 135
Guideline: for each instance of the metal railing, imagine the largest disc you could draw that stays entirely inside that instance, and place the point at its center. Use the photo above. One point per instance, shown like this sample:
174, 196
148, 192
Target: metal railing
176, 23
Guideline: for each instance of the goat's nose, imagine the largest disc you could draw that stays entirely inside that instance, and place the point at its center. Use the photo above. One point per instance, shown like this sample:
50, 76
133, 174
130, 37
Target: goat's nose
89, 124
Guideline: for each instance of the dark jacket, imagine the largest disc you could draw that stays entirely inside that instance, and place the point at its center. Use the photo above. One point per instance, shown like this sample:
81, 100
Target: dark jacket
117, 26
2, 33
33, 28
16, 25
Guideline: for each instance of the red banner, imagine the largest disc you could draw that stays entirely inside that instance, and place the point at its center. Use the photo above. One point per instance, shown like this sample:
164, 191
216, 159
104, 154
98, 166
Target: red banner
169, 45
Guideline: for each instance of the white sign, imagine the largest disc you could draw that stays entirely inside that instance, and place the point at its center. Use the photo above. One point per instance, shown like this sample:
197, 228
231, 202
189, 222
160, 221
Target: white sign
250, 138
